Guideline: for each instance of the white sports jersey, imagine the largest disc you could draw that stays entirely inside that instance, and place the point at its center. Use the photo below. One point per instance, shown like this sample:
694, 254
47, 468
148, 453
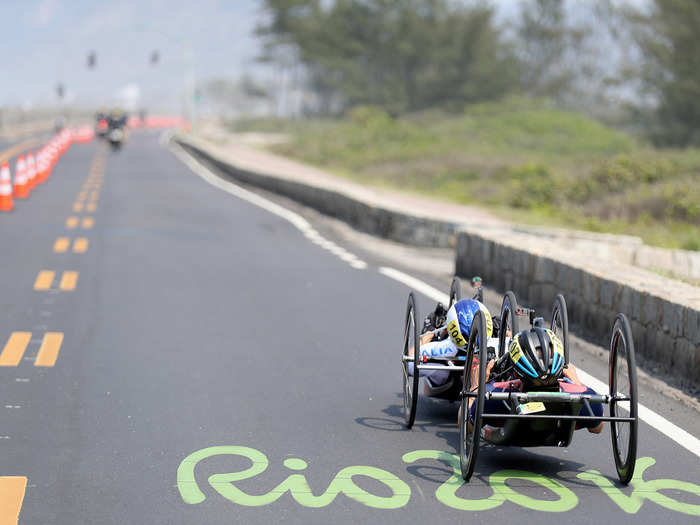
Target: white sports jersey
444, 348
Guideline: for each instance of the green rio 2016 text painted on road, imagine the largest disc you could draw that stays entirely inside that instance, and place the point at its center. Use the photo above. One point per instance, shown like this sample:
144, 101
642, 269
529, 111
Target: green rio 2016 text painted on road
564, 499
295, 484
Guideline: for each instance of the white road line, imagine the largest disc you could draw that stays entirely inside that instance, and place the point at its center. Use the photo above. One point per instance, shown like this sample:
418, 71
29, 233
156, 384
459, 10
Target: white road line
416, 284
677, 434
297, 220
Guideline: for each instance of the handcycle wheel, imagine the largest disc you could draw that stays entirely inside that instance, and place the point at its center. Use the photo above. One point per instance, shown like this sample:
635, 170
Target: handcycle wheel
455, 291
560, 324
509, 321
469, 440
411, 345
623, 381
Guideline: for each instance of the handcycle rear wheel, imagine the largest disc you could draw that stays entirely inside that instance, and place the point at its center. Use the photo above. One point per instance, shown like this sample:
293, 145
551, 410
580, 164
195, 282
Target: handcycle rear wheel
455, 291
469, 440
411, 346
560, 324
509, 321
623, 381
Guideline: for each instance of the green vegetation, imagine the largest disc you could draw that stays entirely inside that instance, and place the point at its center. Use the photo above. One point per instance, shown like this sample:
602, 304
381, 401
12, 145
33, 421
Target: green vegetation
521, 158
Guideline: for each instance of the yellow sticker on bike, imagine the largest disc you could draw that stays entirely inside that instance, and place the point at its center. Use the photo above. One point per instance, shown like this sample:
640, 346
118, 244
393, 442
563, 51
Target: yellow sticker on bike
532, 408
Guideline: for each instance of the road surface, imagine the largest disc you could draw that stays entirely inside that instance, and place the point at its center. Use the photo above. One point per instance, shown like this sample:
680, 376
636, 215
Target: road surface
174, 354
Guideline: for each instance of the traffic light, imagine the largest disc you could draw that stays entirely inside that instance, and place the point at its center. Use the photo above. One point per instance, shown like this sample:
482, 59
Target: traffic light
91, 60
60, 89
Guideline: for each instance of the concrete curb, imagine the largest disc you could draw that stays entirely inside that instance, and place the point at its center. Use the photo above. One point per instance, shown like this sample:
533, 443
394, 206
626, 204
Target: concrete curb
387, 223
665, 314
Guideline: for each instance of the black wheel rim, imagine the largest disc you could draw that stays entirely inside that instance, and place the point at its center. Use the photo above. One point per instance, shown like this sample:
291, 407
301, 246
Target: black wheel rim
410, 382
509, 321
455, 291
623, 382
469, 441
560, 324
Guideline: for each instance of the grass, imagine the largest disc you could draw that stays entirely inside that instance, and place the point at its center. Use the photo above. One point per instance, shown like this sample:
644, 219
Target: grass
521, 158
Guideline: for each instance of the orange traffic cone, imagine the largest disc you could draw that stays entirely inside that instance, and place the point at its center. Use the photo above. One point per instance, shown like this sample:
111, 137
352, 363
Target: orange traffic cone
21, 188
31, 171
53, 152
48, 162
6, 203
41, 171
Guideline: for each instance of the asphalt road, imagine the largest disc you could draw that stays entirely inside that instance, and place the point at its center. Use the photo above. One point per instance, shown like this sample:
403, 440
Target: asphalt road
200, 320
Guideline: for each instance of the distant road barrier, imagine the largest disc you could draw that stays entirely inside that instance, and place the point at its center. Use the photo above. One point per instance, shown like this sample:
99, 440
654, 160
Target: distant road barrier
33, 170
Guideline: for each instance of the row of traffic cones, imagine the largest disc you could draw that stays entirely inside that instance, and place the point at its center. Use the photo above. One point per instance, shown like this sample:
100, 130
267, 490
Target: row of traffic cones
30, 170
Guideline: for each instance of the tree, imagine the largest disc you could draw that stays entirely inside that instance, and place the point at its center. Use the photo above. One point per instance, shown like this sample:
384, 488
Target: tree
667, 35
402, 55
546, 43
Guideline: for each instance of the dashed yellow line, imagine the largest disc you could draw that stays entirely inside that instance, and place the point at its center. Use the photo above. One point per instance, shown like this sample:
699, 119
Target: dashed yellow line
78, 207
44, 280
12, 353
69, 280
81, 196
88, 222
12, 489
72, 222
80, 245
48, 351
91, 207
61, 245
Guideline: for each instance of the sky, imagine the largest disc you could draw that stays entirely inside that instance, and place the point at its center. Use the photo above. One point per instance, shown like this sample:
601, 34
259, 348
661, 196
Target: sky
47, 41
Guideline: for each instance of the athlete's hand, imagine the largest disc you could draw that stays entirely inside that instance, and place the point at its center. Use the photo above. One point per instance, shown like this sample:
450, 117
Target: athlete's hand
571, 374
426, 338
475, 373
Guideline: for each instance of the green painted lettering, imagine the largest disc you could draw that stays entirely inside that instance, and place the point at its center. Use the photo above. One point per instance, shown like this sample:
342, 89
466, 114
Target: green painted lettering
447, 492
645, 490
295, 484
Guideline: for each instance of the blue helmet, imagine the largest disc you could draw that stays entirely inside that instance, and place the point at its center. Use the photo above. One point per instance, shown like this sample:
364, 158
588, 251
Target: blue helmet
460, 317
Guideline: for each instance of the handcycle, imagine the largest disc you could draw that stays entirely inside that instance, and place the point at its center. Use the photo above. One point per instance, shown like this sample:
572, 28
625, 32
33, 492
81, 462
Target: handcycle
539, 417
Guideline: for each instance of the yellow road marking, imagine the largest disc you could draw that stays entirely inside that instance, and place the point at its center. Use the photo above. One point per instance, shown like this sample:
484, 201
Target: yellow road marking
72, 222
48, 351
12, 490
44, 280
12, 355
17, 149
61, 245
88, 222
91, 207
68, 281
94, 195
81, 195
80, 245
78, 207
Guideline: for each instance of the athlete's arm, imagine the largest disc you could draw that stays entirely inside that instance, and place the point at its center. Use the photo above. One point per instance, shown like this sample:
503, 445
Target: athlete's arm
571, 374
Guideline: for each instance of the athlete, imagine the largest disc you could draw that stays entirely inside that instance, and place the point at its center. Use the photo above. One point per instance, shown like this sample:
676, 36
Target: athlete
449, 341
535, 361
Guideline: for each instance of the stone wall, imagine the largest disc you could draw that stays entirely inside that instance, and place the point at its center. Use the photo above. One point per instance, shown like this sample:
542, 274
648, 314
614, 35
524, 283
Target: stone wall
665, 315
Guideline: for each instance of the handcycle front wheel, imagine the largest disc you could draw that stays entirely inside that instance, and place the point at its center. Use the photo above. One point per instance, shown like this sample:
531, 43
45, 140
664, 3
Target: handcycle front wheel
623, 383
410, 355
509, 321
455, 291
470, 432
560, 324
